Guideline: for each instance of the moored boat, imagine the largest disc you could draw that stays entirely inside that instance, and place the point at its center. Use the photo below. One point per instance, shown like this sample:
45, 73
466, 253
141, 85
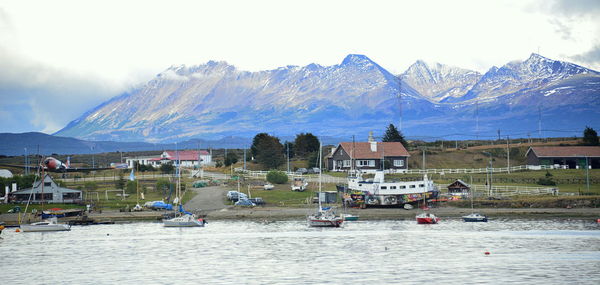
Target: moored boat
475, 217
325, 217
185, 220
350, 217
49, 225
427, 218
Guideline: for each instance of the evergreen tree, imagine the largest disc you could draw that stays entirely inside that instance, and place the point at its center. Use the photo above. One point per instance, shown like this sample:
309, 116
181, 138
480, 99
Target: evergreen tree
306, 144
590, 137
393, 135
231, 158
267, 150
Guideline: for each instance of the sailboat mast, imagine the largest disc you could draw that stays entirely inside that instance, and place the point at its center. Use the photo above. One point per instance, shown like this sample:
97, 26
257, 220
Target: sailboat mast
320, 172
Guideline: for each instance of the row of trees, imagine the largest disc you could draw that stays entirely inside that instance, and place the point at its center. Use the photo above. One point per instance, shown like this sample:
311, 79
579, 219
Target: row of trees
271, 153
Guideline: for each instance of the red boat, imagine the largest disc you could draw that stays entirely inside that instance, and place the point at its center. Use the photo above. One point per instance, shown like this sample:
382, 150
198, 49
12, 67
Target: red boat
427, 218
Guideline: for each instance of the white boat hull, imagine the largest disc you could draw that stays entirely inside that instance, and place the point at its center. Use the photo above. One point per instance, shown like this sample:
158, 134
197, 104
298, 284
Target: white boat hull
332, 223
45, 228
184, 221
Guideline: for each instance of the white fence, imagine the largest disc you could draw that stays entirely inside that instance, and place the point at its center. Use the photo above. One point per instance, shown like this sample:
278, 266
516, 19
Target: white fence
479, 170
507, 191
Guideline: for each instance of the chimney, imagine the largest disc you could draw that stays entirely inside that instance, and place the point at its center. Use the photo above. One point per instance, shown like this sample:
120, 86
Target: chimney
372, 142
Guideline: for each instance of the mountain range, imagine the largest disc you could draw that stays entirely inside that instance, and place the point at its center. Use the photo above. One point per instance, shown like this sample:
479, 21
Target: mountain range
216, 100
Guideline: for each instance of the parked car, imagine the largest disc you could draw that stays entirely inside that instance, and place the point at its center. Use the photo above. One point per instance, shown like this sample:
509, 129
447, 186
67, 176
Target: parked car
268, 186
244, 202
258, 201
235, 196
301, 171
316, 170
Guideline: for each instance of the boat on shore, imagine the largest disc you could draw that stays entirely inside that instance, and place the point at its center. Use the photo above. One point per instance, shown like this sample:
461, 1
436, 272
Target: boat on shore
427, 218
350, 217
49, 225
379, 192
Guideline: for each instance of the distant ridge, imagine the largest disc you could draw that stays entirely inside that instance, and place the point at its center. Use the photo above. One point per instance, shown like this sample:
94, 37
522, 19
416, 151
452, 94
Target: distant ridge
216, 100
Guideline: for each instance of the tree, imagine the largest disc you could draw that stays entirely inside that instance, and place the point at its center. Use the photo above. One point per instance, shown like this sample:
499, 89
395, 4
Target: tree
230, 158
90, 185
590, 137
305, 144
393, 135
120, 183
131, 187
167, 168
267, 150
277, 177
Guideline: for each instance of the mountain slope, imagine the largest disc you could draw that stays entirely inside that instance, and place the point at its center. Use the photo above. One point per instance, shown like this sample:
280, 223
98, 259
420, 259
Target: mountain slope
216, 100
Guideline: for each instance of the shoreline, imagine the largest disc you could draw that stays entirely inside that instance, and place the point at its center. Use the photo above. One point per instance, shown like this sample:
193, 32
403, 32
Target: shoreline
281, 214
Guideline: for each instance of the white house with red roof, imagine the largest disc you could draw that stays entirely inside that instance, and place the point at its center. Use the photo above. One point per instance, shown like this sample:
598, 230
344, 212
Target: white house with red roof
185, 158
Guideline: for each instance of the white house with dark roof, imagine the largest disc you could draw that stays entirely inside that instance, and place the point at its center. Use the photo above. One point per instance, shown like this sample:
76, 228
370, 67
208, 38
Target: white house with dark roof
46, 191
368, 156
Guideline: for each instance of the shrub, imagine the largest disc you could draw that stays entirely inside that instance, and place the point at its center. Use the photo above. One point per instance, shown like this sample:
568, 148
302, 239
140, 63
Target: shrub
546, 181
277, 177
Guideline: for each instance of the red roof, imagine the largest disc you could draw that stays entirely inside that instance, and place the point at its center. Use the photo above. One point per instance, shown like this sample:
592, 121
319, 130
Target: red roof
185, 154
566, 151
362, 150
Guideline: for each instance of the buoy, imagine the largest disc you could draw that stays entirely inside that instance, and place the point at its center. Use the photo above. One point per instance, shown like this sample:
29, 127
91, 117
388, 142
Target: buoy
18, 230
487, 253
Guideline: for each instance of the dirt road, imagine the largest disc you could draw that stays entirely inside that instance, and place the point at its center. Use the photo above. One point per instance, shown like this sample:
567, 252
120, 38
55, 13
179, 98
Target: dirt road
208, 199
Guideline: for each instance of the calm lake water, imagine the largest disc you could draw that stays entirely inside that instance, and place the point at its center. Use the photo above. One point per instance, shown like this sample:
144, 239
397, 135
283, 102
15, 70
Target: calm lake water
226, 252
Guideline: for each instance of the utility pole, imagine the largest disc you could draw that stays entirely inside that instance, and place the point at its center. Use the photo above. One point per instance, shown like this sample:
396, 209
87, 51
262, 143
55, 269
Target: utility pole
499, 135
287, 145
587, 173
26, 163
508, 154
423, 158
245, 160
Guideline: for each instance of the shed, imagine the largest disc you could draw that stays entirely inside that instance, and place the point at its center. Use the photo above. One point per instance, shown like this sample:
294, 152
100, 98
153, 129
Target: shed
572, 157
459, 188
46, 191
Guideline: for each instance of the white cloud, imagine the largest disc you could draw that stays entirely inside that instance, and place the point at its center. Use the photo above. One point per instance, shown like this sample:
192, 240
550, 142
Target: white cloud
87, 46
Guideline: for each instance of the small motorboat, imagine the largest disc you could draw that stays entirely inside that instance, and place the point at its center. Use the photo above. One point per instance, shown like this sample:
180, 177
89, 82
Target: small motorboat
475, 217
349, 217
49, 225
427, 218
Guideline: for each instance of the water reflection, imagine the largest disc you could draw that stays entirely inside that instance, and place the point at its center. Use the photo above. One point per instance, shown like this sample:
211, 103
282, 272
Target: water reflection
288, 252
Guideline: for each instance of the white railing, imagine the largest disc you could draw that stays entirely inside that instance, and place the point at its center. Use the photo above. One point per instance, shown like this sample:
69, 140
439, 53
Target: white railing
507, 191
479, 170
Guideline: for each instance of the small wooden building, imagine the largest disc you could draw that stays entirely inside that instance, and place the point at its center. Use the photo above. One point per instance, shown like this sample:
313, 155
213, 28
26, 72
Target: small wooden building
46, 191
459, 188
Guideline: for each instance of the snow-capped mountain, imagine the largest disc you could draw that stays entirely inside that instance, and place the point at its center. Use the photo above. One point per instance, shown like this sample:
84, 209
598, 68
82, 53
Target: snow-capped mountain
215, 100
535, 73
438, 81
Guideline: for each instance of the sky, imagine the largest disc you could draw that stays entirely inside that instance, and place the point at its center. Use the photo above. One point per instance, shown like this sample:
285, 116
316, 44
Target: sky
59, 59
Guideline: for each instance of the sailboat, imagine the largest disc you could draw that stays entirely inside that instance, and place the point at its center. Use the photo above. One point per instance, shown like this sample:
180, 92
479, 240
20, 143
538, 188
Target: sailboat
474, 217
426, 218
183, 217
49, 225
325, 216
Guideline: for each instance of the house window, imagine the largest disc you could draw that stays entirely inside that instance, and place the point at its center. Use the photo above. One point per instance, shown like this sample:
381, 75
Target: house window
383, 187
398, 162
47, 184
370, 163
346, 163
